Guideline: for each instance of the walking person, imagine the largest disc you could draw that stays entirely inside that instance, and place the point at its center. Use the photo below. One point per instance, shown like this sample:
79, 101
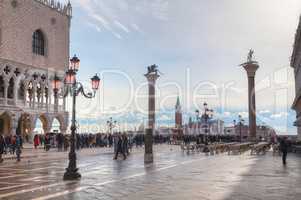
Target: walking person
284, 149
18, 147
47, 142
13, 144
36, 141
125, 144
119, 148
2, 147
66, 143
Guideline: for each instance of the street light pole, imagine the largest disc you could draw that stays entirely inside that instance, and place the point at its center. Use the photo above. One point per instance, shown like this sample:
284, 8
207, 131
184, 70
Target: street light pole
76, 89
208, 114
240, 127
72, 171
111, 124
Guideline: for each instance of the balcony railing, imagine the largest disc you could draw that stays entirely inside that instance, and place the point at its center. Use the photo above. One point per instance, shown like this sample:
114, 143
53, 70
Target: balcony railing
43, 107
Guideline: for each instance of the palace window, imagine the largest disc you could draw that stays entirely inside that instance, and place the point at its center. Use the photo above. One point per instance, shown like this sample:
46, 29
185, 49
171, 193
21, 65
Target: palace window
10, 89
21, 91
38, 43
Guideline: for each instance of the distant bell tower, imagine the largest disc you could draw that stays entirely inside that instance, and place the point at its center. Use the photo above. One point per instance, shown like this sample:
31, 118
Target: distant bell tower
178, 115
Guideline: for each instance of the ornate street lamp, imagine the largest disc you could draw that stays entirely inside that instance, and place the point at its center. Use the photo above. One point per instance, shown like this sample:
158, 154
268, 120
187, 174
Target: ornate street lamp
208, 114
95, 82
241, 123
111, 124
75, 88
74, 64
56, 84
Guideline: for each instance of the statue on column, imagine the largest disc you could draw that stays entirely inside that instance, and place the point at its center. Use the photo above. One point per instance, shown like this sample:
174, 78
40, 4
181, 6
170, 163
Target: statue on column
250, 55
250, 58
153, 69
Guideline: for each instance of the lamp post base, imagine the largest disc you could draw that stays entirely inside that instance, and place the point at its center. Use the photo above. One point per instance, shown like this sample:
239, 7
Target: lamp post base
71, 174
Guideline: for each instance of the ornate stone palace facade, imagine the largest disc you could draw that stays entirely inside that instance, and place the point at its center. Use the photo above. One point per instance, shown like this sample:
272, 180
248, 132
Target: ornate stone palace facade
296, 64
34, 47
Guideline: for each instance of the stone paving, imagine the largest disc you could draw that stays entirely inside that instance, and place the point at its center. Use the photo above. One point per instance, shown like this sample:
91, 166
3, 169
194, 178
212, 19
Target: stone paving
174, 175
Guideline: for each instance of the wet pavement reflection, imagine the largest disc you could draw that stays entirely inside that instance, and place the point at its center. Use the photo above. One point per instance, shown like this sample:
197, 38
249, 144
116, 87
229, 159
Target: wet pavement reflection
174, 175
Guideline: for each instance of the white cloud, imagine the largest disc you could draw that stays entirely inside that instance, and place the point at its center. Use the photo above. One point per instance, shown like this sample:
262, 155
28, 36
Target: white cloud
121, 26
279, 115
119, 15
264, 112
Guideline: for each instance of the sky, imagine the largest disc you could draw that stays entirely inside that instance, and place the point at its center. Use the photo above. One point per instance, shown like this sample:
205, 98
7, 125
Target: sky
198, 46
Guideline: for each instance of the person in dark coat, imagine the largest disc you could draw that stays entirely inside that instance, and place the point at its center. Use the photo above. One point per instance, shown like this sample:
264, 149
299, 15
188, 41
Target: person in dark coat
284, 149
119, 148
125, 142
18, 147
47, 142
2, 147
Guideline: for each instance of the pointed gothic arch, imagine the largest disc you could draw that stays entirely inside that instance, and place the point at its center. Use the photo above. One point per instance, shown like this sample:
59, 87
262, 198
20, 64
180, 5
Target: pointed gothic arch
10, 89
5, 123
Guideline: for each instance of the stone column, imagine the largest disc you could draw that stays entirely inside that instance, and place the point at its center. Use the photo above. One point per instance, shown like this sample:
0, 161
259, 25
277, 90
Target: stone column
16, 87
56, 100
251, 68
25, 94
64, 105
42, 97
152, 77
14, 124
49, 99
34, 90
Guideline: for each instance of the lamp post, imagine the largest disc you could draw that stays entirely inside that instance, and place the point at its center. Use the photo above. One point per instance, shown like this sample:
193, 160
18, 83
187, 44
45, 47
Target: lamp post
241, 123
75, 88
207, 115
111, 124
56, 84
197, 118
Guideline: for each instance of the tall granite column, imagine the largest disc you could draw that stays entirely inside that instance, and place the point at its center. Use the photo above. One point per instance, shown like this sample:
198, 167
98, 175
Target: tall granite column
152, 77
251, 68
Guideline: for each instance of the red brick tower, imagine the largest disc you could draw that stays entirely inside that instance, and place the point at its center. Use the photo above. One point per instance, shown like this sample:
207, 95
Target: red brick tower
178, 117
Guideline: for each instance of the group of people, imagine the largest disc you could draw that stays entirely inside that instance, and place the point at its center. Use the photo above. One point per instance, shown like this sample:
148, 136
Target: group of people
11, 144
51, 140
121, 142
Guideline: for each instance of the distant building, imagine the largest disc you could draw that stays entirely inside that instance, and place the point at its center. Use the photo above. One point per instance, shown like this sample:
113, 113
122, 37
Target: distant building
211, 127
262, 132
296, 64
34, 47
178, 114
178, 118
